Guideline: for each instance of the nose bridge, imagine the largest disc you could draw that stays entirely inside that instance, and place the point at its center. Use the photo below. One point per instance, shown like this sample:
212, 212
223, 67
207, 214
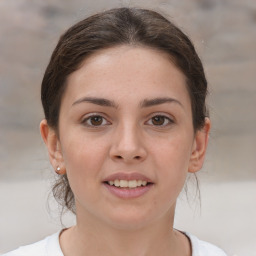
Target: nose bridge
127, 143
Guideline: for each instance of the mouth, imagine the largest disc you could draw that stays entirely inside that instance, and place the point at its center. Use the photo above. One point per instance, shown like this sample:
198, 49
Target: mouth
128, 184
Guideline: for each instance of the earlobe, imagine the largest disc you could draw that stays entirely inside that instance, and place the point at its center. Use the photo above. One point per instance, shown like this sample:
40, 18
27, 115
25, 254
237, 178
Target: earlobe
52, 143
199, 147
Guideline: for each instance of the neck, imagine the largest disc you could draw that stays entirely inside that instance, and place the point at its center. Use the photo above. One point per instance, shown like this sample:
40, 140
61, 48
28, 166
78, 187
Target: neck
93, 238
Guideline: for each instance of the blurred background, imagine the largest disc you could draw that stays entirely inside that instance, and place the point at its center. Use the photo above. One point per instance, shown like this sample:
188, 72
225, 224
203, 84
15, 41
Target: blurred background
224, 33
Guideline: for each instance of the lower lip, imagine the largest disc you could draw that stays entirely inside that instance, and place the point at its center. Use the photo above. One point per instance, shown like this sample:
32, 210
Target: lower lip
128, 193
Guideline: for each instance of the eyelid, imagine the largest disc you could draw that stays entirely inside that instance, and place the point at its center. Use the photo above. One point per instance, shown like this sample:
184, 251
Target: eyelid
161, 114
90, 115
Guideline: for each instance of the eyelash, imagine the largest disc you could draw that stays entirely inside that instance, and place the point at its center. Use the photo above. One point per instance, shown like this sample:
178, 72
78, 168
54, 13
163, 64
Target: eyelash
167, 121
89, 119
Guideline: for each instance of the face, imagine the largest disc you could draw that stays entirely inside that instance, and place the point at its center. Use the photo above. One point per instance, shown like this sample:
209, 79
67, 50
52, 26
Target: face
126, 139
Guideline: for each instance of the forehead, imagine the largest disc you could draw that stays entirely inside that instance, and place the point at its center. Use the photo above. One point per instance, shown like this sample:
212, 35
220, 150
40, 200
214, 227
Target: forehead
127, 70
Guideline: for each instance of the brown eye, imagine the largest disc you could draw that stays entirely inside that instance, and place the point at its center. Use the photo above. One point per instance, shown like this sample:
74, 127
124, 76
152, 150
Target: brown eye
95, 120
158, 120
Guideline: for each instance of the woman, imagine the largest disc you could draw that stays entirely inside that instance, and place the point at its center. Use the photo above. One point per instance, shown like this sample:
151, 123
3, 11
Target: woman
125, 121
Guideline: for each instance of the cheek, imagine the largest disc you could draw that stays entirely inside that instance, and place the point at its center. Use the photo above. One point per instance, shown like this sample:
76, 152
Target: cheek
83, 157
172, 161
171, 166
83, 160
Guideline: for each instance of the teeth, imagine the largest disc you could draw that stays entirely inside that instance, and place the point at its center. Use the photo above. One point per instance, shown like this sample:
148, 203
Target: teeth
127, 184
124, 183
139, 182
117, 183
132, 183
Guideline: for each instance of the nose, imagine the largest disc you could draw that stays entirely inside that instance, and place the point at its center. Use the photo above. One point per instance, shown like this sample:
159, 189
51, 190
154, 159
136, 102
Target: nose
127, 145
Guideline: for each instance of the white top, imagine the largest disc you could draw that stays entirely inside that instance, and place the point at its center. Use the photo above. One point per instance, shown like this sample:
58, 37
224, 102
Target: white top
50, 246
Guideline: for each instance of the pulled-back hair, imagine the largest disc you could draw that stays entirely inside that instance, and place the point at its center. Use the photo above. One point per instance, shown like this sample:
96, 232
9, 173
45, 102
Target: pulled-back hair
114, 27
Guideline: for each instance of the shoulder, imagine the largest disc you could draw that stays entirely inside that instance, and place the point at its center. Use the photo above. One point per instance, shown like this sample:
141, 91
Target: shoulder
202, 248
47, 247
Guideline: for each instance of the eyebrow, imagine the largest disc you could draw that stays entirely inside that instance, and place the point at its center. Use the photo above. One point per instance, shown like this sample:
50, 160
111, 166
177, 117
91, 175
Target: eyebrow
109, 103
97, 101
158, 101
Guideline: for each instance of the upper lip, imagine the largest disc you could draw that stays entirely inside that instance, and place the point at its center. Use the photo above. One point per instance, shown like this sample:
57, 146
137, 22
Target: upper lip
127, 176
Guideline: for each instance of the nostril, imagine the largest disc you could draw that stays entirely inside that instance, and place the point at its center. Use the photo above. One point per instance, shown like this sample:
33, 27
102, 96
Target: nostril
136, 157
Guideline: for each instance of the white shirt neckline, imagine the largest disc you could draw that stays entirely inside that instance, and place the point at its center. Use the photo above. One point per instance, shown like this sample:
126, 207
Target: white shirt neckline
199, 248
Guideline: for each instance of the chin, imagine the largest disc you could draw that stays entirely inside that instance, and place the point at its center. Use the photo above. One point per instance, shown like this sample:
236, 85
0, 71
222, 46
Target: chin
129, 219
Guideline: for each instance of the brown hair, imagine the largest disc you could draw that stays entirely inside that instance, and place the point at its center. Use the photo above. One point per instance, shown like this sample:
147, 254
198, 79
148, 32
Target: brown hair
111, 28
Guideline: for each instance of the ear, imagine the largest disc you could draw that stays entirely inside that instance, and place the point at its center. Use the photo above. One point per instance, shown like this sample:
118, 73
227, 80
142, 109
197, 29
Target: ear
199, 147
52, 143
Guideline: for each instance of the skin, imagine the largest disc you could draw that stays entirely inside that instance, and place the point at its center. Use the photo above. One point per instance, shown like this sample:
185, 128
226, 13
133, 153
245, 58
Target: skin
128, 137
